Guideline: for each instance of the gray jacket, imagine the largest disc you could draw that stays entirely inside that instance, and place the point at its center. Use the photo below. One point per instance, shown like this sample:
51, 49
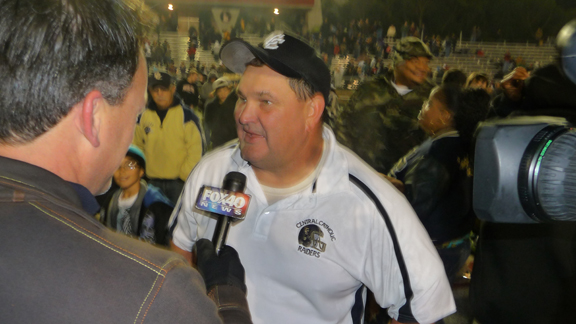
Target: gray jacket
59, 265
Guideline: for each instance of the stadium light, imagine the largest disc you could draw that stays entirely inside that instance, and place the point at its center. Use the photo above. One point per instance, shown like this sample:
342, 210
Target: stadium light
170, 7
276, 11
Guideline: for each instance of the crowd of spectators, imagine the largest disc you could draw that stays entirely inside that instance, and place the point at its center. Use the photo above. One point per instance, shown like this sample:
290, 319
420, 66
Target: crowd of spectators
362, 46
367, 46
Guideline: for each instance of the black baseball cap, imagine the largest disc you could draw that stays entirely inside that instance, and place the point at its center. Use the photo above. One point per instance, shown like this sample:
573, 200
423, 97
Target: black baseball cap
137, 154
160, 79
283, 53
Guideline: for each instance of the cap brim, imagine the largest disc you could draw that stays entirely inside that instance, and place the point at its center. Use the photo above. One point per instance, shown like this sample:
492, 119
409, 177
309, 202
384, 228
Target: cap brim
237, 53
158, 84
153, 82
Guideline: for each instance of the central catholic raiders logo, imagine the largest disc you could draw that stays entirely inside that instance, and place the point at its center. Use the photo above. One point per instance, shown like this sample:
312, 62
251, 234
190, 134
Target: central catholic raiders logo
310, 240
311, 235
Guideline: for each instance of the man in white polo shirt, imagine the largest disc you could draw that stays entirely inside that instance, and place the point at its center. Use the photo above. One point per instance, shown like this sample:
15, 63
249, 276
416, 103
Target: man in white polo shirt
321, 223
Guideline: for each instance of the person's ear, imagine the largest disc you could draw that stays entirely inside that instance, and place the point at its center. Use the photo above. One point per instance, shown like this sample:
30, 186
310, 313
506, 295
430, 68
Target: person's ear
315, 108
141, 173
447, 116
89, 121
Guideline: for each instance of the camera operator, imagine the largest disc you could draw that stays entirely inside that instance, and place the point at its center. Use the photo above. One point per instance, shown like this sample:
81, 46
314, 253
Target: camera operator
526, 273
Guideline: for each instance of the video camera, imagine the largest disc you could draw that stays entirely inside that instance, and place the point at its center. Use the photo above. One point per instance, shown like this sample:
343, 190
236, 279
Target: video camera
525, 167
525, 170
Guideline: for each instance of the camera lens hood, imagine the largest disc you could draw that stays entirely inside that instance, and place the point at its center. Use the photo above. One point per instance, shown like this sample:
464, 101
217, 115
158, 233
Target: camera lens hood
547, 175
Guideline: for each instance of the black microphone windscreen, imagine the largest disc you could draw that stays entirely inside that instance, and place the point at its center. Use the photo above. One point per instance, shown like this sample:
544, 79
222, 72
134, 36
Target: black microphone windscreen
234, 181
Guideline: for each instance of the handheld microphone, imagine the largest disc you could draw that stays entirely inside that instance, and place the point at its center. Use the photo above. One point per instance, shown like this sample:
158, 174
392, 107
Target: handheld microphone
228, 202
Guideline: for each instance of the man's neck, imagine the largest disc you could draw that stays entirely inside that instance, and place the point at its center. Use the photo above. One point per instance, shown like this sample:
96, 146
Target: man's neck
400, 81
291, 174
67, 163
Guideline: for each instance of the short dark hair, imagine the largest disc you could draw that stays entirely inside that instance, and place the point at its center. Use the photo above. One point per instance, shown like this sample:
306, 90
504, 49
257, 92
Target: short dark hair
54, 52
468, 107
455, 77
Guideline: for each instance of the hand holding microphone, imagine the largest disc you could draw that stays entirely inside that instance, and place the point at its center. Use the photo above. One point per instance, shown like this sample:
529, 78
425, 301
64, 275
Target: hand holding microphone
222, 269
218, 263
224, 278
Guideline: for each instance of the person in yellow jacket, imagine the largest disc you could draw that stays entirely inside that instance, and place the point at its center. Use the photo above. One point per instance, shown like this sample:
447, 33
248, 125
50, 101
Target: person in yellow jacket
169, 134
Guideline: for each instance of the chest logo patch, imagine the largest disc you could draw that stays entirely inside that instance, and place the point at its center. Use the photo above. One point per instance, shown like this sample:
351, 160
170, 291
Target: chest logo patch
148, 127
188, 88
311, 236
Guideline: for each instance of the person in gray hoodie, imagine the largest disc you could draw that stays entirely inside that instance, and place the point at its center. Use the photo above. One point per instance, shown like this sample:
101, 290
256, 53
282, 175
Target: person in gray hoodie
206, 89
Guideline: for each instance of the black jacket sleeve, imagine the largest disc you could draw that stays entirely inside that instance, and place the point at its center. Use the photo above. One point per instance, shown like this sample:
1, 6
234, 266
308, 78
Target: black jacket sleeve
425, 183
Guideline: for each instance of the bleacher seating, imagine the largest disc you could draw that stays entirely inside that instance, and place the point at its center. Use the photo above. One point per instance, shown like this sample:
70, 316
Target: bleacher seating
466, 60
179, 48
464, 57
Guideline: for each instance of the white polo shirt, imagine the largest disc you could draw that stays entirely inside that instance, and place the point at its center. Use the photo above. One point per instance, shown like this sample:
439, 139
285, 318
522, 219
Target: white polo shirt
307, 256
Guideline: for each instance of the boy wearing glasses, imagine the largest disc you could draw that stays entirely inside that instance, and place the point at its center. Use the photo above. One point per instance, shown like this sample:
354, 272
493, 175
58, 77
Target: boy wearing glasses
136, 208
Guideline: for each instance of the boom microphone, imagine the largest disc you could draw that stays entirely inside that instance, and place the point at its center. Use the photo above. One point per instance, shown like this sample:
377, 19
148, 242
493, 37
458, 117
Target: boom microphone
229, 203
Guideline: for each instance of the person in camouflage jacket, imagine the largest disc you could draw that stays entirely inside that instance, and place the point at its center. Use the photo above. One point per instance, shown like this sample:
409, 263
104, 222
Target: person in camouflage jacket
380, 123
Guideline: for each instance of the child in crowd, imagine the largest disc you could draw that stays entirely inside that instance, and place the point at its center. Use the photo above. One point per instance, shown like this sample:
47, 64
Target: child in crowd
136, 208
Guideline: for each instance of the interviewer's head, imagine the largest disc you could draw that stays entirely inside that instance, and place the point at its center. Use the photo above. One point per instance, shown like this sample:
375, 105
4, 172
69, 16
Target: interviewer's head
54, 53
71, 68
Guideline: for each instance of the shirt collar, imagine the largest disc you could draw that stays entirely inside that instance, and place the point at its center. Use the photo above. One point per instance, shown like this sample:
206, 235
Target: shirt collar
452, 133
89, 203
402, 90
333, 175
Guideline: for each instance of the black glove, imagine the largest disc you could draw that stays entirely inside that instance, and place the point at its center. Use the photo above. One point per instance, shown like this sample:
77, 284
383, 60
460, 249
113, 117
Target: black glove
223, 269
